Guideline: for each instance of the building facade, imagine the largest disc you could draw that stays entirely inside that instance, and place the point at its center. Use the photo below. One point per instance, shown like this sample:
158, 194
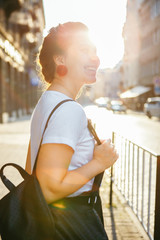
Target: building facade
131, 38
142, 44
141, 62
149, 59
21, 29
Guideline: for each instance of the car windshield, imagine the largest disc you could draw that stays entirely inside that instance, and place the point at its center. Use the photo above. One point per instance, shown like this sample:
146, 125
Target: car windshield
116, 103
153, 100
101, 100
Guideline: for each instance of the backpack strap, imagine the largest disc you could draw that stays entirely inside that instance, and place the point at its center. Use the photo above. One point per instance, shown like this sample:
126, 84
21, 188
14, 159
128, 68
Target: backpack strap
98, 178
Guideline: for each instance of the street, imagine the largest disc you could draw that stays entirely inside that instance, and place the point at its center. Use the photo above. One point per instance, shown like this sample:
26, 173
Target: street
134, 126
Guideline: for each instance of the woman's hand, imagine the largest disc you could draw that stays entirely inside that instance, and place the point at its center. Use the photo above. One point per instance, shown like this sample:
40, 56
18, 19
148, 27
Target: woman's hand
105, 154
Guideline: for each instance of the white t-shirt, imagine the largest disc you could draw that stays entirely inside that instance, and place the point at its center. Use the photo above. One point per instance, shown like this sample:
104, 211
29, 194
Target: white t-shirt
68, 125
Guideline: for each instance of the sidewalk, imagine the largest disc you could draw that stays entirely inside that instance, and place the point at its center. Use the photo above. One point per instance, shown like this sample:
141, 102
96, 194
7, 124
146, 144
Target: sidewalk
120, 222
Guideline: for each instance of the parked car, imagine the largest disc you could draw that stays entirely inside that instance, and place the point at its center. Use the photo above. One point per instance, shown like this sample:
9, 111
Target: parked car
117, 106
152, 107
102, 102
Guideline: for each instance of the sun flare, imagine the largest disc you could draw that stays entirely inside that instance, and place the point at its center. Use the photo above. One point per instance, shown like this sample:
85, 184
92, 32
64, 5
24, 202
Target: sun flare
104, 18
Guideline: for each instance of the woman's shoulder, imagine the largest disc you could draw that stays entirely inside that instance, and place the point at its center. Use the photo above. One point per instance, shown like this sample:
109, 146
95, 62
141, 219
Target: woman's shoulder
67, 111
73, 107
71, 112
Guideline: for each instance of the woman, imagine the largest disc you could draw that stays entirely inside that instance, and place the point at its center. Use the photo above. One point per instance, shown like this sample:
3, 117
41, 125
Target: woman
68, 159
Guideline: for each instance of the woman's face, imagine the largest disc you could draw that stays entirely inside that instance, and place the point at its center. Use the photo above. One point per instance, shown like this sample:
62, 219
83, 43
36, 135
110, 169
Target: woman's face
81, 59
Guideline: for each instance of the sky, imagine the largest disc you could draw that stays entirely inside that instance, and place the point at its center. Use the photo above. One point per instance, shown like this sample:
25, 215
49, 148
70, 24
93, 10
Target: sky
104, 18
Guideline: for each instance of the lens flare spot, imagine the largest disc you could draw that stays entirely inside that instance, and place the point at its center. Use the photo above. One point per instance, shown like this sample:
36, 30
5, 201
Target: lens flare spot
58, 205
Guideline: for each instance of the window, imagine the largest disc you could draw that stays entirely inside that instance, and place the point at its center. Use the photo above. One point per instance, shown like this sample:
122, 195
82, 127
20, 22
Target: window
147, 41
139, 2
146, 70
156, 66
156, 36
155, 9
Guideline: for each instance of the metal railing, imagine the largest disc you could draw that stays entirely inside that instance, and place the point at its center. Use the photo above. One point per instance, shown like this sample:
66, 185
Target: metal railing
136, 174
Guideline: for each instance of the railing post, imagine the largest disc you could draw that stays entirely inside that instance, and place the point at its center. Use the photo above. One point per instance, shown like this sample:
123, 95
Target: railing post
111, 187
111, 178
1, 95
157, 203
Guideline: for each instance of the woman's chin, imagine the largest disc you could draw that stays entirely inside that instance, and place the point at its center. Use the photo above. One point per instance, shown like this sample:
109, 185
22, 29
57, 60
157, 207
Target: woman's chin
90, 80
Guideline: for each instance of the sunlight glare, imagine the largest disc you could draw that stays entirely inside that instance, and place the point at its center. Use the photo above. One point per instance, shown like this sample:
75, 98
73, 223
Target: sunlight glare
104, 18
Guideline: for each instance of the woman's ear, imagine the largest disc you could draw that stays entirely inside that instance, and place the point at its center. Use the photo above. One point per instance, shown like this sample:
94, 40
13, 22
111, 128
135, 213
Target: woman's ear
59, 60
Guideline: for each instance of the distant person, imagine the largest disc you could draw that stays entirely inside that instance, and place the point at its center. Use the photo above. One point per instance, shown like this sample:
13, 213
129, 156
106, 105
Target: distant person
68, 159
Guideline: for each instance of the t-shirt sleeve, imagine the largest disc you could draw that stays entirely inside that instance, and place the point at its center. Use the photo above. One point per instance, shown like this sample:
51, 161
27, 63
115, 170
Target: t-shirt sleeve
66, 125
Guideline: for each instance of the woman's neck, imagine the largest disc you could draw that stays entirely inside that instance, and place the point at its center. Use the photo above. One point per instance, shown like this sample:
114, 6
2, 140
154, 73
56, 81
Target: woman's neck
61, 85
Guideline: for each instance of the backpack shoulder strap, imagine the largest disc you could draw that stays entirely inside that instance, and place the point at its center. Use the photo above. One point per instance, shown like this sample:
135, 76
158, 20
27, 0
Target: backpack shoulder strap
98, 178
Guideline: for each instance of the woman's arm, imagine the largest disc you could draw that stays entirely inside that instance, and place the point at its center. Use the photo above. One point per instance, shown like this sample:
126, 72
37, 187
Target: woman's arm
52, 169
28, 160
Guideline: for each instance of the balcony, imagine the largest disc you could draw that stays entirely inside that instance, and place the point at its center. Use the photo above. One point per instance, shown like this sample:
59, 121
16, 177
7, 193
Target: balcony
10, 6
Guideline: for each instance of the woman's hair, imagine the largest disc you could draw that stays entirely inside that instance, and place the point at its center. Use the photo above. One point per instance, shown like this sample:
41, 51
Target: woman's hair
55, 43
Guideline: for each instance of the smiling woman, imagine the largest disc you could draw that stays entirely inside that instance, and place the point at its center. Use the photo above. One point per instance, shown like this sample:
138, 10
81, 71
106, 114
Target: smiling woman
68, 160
